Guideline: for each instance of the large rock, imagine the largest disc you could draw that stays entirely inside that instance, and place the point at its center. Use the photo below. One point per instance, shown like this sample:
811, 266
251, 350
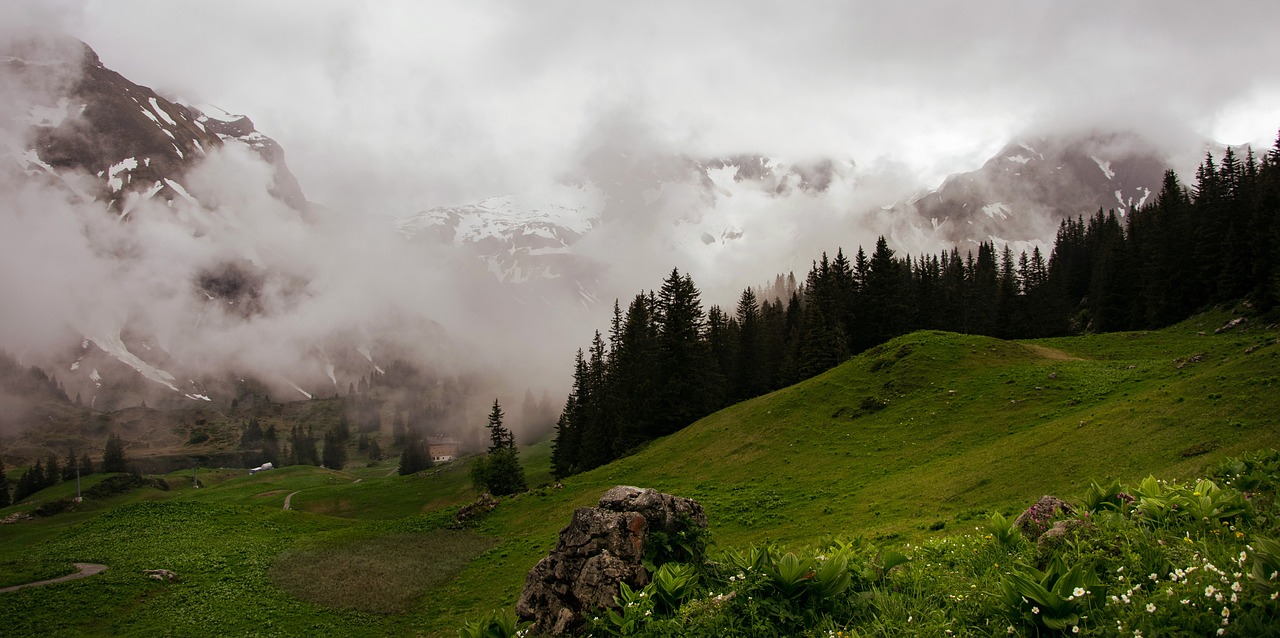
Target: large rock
1039, 517
601, 548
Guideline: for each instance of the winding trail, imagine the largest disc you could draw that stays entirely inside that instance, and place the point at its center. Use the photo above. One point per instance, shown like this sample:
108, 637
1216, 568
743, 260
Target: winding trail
86, 570
289, 498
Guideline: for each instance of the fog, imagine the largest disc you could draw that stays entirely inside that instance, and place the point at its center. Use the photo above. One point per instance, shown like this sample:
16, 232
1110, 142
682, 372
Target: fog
388, 109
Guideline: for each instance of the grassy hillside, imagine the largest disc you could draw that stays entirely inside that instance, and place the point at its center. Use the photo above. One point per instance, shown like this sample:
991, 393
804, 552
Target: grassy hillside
915, 438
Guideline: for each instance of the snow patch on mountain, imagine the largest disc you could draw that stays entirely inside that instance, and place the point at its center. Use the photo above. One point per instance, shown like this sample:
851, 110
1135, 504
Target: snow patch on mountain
1105, 166
996, 211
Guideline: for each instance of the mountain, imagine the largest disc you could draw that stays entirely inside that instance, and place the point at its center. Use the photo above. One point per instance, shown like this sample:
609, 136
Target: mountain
137, 143
752, 210
74, 132
1022, 192
567, 241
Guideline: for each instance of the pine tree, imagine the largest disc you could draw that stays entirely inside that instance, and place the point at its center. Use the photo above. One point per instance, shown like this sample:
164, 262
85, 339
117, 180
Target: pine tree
334, 455
86, 465
416, 456
52, 472
113, 459
499, 472
683, 360
5, 499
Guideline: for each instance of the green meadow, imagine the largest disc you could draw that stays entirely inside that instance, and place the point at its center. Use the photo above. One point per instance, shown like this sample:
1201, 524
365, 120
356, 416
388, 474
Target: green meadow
916, 441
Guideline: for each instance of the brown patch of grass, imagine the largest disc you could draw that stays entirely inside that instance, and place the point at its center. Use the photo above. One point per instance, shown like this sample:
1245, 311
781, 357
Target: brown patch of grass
269, 493
1051, 353
381, 575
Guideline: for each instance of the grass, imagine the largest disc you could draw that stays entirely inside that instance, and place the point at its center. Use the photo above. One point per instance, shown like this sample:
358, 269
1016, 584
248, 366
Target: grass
911, 441
383, 575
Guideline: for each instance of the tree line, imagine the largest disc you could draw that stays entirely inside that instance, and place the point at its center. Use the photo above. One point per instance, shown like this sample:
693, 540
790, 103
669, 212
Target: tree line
667, 362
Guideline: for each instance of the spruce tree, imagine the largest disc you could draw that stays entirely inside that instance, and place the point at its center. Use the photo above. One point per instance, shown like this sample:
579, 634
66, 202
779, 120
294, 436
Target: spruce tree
5, 499
113, 459
499, 472
334, 455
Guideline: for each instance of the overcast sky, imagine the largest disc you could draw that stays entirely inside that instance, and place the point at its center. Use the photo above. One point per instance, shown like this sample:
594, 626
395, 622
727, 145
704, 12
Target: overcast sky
393, 107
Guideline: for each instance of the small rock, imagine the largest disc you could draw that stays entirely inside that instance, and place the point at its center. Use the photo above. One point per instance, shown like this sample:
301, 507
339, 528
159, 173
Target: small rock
162, 574
1053, 375
1230, 325
469, 514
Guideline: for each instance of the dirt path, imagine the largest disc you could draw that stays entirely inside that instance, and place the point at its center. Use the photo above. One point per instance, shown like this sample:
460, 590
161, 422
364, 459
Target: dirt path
86, 570
1052, 353
287, 499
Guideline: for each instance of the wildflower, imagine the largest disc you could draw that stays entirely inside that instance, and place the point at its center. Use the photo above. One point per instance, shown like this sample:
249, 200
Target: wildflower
1218, 597
1075, 629
1153, 577
1035, 610
1236, 586
1078, 592
1222, 631
1009, 630
648, 612
1185, 601
1151, 608
1226, 612
1208, 591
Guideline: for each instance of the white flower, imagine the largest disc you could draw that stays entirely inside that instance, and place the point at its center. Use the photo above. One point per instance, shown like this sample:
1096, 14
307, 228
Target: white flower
1010, 630
1226, 612
1153, 577
1208, 591
1185, 601
1079, 591
1075, 629
1151, 608
1222, 631
1035, 610
1236, 586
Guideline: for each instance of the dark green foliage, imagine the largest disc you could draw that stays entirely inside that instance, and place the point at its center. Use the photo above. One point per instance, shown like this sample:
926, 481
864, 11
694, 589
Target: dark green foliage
302, 442
668, 363
5, 498
113, 459
334, 455
499, 472
415, 456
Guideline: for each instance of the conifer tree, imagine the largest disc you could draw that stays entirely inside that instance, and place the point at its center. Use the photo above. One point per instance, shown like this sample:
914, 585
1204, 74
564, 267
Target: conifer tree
334, 455
499, 472
5, 499
113, 459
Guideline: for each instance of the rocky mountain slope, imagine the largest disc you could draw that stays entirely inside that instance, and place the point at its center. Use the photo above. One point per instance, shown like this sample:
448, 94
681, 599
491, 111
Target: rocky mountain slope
1022, 192
723, 211
73, 130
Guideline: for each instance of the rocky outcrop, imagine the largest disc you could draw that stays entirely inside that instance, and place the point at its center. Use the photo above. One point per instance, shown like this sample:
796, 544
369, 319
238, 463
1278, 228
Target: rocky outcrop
601, 548
1039, 517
